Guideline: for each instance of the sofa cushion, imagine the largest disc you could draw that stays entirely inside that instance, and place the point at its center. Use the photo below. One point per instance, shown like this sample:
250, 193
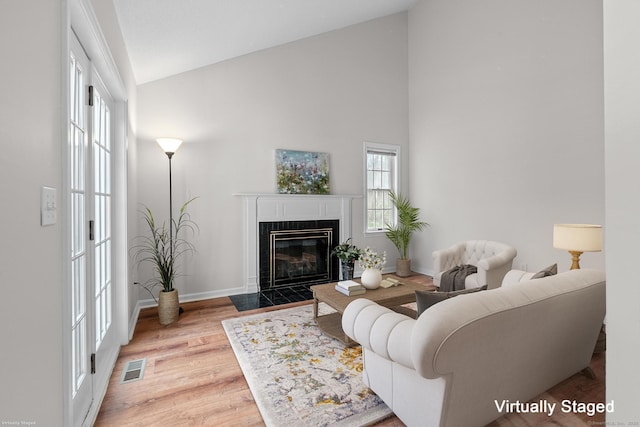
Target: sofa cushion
549, 271
425, 299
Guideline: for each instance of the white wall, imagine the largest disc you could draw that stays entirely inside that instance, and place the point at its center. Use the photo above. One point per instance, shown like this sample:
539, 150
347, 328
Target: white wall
30, 259
622, 145
327, 93
506, 123
31, 129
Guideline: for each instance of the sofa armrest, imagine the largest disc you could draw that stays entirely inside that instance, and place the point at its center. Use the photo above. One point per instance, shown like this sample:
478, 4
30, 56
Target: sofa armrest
491, 270
445, 259
380, 330
499, 260
516, 276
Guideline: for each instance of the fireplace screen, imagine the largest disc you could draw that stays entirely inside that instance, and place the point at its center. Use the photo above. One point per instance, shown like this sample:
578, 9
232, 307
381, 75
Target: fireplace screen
295, 253
300, 256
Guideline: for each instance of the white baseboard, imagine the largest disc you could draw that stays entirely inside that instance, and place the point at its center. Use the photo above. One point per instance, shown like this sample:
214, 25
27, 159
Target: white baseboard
198, 296
134, 319
426, 272
392, 269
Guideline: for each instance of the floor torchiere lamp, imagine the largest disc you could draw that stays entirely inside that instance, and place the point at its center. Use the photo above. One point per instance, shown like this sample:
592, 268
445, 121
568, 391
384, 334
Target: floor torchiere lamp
170, 146
577, 238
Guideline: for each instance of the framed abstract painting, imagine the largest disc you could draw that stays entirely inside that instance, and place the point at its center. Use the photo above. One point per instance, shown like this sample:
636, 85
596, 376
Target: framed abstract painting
302, 172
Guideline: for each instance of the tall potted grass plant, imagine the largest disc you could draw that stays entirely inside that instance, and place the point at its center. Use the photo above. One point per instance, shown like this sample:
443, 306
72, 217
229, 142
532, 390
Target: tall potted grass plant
162, 248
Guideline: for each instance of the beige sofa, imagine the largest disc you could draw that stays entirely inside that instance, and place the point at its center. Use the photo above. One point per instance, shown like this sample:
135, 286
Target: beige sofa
464, 356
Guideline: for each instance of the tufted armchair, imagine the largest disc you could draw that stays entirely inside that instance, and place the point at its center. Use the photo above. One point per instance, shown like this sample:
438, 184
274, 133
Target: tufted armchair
493, 260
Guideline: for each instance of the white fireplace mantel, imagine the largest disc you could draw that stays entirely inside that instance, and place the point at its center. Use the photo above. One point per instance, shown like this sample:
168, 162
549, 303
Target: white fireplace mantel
258, 208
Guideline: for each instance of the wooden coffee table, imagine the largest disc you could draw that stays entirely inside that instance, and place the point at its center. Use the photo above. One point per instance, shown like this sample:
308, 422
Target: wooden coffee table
393, 298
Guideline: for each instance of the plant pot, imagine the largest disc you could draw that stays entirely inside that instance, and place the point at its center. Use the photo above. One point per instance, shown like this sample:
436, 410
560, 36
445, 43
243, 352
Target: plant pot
346, 270
168, 307
371, 278
403, 267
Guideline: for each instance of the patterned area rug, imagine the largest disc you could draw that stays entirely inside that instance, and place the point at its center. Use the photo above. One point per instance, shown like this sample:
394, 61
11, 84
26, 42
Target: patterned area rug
299, 376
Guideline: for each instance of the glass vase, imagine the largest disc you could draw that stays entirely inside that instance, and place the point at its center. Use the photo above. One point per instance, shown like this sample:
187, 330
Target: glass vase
346, 270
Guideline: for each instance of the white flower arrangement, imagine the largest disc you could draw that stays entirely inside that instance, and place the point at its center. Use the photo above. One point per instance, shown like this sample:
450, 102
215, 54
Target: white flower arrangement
371, 259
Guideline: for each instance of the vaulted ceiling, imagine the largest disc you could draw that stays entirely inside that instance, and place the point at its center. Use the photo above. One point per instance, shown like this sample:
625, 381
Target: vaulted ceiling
167, 37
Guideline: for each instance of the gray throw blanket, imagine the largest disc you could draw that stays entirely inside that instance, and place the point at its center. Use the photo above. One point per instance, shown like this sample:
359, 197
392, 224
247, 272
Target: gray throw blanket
453, 279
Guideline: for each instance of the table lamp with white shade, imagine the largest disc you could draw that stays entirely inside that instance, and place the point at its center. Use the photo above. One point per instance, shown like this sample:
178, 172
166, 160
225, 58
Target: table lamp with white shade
577, 238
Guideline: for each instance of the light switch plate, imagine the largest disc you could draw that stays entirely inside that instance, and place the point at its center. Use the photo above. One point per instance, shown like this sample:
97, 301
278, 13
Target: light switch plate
48, 206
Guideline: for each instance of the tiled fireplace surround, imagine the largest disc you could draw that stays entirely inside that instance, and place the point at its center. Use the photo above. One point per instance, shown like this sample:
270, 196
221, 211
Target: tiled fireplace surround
259, 208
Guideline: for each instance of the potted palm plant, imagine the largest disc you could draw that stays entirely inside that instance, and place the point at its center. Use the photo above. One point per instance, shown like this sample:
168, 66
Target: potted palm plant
162, 248
400, 234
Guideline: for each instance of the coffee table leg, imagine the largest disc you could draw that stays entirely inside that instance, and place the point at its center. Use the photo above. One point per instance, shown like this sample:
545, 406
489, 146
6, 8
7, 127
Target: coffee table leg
348, 341
315, 308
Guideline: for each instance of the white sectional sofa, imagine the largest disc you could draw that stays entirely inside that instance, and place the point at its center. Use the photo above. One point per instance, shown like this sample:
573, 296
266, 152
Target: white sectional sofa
463, 356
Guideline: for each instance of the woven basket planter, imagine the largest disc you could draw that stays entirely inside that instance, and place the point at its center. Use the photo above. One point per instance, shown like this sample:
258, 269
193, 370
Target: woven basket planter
403, 267
168, 307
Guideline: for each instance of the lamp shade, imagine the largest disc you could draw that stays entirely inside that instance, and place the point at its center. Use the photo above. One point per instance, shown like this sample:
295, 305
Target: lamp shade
169, 145
577, 237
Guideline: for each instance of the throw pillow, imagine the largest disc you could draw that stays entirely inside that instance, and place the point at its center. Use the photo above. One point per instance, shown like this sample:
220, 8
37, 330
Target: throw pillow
549, 271
425, 299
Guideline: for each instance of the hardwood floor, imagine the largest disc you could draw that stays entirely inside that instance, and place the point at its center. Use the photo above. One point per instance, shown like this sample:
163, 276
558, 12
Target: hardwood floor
192, 377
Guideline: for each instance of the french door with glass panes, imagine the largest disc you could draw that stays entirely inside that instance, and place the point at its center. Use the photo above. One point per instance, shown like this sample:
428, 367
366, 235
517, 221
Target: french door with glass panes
90, 258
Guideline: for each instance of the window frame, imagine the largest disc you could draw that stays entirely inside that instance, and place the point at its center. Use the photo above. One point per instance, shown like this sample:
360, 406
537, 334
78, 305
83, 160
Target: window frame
392, 150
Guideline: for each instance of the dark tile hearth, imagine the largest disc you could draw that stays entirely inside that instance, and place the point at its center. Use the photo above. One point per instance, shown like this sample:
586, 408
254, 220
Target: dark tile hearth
296, 293
271, 297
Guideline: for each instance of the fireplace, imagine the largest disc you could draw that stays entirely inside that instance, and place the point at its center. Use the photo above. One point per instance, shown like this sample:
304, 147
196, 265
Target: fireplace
265, 208
297, 252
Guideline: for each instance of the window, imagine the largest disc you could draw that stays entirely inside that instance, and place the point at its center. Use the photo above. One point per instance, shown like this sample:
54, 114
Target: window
381, 177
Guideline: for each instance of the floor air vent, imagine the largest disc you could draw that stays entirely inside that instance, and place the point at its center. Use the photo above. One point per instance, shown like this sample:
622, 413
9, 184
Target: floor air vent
133, 370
